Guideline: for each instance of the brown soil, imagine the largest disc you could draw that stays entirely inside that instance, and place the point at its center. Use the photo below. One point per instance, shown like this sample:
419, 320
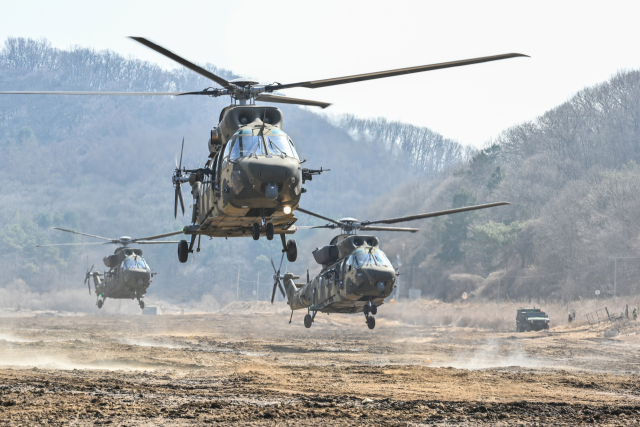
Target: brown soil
256, 369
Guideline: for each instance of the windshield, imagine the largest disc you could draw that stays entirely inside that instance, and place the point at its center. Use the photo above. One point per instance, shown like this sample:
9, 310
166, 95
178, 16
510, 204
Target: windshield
281, 144
382, 259
245, 145
142, 264
129, 263
363, 258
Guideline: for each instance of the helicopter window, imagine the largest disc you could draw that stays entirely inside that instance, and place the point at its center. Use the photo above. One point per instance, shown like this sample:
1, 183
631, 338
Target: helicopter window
142, 264
129, 263
363, 259
244, 146
349, 263
225, 156
382, 259
281, 145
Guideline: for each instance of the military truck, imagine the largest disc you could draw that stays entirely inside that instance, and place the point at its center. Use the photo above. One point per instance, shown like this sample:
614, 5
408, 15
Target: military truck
531, 319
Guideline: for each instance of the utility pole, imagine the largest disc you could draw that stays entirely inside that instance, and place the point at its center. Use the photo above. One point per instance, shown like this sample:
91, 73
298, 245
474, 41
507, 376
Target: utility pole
615, 278
238, 286
258, 287
499, 280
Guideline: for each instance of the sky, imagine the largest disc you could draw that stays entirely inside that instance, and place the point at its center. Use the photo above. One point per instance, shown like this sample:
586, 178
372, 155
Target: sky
572, 44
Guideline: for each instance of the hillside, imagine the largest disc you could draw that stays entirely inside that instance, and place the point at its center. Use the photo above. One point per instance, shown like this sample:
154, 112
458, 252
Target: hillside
572, 176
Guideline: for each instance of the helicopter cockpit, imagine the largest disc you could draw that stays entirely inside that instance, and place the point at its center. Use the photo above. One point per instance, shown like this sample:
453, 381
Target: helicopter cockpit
245, 144
134, 263
363, 258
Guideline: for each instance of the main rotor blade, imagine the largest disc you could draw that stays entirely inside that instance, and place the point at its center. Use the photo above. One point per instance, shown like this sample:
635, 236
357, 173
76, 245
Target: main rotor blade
434, 214
158, 236
410, 230
383, 74
265, 97
274, 266
83, 234
76, 244
190, 65
157, 243
309, 227
58, 92
299, 209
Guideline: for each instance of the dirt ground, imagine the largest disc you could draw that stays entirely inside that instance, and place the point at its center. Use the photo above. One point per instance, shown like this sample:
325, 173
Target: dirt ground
251, 367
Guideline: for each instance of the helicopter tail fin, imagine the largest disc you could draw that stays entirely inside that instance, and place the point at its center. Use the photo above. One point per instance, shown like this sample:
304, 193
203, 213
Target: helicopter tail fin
294, 295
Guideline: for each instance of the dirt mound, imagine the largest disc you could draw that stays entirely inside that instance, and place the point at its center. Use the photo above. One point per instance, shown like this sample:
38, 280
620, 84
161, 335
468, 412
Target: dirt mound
254, 307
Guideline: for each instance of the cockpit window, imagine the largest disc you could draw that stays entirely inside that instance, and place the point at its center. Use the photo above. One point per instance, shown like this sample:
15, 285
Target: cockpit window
382, 259
363, 258
246, 145
142, 264
281, 144
129, 263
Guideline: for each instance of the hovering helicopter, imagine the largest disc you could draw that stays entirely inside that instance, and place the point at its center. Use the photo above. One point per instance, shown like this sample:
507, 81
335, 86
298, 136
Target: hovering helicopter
356, 275
128, 276
253, 179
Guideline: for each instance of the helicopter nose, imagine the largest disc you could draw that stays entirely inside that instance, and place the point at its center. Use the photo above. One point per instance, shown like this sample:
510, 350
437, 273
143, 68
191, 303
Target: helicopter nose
137, 275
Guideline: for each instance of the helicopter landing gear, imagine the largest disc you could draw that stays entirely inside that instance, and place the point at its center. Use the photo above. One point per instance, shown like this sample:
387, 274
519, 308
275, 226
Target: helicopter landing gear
308, 320
370, 308
141, 303
270, 231
255, 231
371, 322
289, 247
100, 302
183, 251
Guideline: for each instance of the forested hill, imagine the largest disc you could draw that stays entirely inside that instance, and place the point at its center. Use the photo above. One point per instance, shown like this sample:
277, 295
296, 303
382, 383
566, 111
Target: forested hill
103, 165
572, 176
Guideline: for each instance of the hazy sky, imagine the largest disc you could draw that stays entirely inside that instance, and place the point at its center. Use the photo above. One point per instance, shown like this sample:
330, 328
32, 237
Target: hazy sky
572, 44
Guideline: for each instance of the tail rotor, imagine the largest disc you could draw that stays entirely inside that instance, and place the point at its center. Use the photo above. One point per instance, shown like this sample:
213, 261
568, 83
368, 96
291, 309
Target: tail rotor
277, 280
178, 178
86, 279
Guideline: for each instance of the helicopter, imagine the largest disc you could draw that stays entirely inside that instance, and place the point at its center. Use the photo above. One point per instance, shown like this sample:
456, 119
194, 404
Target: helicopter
252, 181
356, 275
129, 274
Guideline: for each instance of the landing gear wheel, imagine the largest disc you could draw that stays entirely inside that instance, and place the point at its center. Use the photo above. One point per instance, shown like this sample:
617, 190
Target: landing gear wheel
366, 310
255, 231
183, 251
99, 303
371, 322
270, 231
374, 310
142, 305
307, 321
292, 250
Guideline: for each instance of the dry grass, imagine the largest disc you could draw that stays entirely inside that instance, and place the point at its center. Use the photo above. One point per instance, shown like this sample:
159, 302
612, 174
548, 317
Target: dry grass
489, 315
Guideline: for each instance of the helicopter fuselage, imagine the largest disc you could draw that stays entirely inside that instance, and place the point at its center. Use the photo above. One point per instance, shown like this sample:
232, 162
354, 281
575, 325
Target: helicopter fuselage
128, 277
356, 274
254, 175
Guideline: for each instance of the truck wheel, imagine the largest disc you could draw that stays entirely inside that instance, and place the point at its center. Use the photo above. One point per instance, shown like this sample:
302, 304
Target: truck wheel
270, 231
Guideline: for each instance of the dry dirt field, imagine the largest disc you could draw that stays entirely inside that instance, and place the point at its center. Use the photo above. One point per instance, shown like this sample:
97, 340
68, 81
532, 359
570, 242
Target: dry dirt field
248, 366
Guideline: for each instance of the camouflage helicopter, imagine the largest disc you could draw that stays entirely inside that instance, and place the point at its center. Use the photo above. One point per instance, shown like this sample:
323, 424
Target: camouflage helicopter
252, 181
128, 276
356, 275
